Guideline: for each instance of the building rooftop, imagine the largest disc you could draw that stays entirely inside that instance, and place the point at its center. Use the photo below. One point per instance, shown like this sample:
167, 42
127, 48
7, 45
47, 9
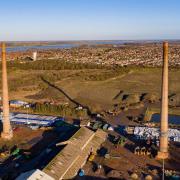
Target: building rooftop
42, 120
34, 175
67, 163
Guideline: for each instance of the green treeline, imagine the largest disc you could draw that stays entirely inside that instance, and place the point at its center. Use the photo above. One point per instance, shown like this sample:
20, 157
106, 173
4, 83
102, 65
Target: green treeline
59, 110
52, 65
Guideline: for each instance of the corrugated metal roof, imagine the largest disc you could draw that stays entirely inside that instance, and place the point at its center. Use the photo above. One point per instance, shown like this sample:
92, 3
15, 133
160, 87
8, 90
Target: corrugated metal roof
73, 156
34, 175
21, 118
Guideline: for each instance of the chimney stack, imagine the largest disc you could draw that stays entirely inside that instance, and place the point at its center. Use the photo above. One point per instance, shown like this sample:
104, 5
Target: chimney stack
7, 131
163, 149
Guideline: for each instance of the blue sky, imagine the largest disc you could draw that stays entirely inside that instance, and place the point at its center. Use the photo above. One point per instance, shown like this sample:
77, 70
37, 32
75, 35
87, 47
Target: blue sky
89, 19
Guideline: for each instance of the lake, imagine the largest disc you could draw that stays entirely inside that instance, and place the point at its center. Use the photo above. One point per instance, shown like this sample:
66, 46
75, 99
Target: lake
173, 119
69, 45
43, 47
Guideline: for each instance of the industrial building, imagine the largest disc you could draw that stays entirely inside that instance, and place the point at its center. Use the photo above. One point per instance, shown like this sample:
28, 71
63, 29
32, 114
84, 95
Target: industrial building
32, 119
17, 103
66, 164
34, 174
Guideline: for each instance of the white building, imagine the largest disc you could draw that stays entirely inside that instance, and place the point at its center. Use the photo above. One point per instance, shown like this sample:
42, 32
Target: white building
33, 175
34, 56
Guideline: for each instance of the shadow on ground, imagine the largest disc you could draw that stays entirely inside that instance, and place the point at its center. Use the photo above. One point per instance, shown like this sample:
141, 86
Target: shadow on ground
94, 178
39, 155
67, 96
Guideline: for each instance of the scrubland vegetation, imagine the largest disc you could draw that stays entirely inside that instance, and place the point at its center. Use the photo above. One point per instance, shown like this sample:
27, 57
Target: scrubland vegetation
95, 86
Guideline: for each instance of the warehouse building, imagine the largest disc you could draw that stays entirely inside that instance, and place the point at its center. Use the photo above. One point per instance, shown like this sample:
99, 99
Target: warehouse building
66, 164
17, 103
32, 119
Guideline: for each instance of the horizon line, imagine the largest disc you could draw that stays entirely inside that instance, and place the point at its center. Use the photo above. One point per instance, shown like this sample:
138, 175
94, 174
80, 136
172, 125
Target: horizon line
163, 39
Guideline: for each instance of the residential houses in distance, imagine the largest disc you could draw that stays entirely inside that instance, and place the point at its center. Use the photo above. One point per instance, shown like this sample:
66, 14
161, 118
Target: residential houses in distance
123, 55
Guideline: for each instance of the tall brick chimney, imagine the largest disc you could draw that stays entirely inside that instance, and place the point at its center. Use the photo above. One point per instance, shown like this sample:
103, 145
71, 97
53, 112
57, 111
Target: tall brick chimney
163, 149
7, 131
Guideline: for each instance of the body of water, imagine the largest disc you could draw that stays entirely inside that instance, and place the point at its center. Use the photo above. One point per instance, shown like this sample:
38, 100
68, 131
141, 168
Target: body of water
173, 119
43, 47
70, 45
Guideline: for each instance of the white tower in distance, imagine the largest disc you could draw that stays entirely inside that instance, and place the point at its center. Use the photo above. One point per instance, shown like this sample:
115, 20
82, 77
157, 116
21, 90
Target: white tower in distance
35, 55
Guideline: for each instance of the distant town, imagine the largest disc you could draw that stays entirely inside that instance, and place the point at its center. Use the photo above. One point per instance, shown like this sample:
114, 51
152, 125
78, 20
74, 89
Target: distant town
142, 54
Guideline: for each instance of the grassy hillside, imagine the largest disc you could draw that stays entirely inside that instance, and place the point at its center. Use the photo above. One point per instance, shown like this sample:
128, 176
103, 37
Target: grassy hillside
91, 85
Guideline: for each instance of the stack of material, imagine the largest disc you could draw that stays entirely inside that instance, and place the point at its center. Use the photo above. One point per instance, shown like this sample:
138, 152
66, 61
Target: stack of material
146, 132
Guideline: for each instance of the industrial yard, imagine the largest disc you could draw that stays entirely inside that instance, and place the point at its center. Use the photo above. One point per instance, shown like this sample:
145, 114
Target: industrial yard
29, 147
